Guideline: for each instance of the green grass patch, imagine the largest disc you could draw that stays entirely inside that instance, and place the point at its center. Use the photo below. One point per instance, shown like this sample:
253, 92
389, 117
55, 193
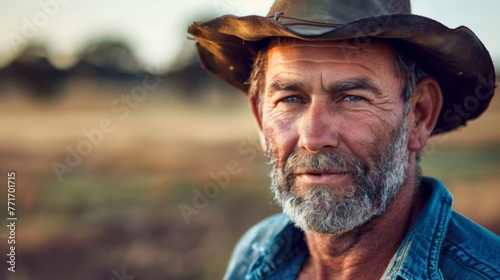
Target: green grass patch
465, 164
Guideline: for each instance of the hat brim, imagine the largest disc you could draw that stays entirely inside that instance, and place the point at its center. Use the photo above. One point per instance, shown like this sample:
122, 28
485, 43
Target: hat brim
455, 57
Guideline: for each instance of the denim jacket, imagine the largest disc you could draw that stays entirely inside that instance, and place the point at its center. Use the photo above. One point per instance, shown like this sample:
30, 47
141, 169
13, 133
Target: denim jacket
441, 244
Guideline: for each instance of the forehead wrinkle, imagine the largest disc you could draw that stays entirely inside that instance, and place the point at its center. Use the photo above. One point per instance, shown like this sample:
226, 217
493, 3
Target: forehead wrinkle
317, 44
276, 66
290, 50
285, 76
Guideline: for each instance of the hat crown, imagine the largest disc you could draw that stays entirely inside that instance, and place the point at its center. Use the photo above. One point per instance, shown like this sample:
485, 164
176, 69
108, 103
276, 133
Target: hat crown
338, 10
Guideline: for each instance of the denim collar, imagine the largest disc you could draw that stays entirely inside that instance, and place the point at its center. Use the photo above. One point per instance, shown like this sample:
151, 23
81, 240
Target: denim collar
418, 254
281, 255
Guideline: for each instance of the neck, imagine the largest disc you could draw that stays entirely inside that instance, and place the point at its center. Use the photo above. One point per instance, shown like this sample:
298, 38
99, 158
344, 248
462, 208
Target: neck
365, 252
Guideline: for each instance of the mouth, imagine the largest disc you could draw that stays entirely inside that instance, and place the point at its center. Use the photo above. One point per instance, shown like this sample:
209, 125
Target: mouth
321, 177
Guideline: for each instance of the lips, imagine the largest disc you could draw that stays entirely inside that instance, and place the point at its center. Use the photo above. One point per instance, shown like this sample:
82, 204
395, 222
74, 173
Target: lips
321, 177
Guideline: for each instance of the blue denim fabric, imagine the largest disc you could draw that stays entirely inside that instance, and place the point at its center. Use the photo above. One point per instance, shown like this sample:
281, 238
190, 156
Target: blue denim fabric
441, 244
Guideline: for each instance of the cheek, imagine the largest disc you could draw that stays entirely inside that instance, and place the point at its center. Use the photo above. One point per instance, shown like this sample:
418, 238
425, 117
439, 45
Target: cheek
365, 139
280, 133
375, 121
356, 137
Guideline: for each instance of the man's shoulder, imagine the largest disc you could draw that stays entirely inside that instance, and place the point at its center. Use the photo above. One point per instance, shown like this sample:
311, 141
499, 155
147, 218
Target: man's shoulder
263, 239
262, 233
470, 249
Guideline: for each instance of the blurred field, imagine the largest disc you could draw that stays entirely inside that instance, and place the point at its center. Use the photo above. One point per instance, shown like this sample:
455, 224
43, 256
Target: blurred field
118, 209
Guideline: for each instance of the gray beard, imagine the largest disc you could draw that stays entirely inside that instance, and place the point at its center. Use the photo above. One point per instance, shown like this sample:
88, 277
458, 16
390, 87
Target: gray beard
327, 210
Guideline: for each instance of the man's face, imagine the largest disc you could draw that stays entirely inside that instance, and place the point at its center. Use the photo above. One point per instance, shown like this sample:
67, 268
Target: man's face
335, 129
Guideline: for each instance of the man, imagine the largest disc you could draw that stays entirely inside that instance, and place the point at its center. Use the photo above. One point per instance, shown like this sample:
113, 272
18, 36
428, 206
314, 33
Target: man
346, 94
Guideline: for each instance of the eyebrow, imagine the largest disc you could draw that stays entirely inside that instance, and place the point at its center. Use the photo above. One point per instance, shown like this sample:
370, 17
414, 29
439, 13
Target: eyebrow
355, 84
337, 87
287, 86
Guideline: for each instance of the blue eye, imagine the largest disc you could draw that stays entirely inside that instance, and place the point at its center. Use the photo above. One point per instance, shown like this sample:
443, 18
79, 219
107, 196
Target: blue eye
291, 99
352, 98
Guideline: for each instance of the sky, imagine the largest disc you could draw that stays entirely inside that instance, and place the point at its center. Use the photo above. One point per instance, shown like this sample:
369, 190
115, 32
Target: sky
156, 29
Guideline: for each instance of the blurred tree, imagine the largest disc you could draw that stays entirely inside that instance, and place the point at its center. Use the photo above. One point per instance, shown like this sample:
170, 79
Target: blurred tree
108, 58
190, 79
33, 71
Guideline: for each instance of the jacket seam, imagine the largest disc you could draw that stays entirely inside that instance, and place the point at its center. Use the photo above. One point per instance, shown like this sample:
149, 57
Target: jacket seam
437, 244
478, 270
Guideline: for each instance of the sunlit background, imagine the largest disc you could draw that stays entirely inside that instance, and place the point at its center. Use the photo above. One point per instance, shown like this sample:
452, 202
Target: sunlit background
131, 161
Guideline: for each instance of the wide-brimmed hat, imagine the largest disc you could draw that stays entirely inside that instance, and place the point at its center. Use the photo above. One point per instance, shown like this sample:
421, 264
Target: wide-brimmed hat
455, 57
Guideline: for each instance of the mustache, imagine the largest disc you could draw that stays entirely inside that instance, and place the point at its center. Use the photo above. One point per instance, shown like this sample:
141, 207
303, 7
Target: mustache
324, 161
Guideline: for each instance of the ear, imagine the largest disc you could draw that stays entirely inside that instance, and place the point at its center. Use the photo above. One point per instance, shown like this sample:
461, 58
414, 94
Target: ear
426, 102
255, 105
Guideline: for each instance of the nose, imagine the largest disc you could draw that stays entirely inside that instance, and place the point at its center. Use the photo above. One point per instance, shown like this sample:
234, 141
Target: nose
318, 127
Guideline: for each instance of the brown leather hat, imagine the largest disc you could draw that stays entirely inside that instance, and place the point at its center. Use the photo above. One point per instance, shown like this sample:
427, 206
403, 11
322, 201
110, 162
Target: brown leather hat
455, 57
